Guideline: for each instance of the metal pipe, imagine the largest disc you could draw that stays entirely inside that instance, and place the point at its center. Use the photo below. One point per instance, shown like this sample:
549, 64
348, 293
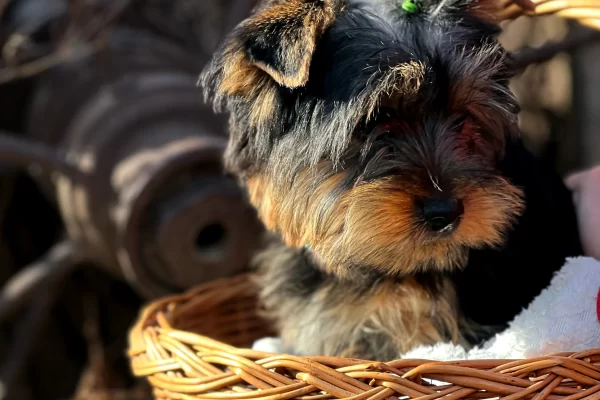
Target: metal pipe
22, 152
47, 272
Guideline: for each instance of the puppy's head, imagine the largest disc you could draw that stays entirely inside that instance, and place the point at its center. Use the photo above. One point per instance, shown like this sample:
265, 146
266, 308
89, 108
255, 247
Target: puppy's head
369, 130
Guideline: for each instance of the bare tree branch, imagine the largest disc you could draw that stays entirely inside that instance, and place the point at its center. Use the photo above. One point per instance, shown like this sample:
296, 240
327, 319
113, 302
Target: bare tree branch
526, 57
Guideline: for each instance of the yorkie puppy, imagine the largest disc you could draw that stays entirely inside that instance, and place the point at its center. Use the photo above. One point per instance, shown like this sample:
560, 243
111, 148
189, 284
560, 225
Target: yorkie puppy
379, 143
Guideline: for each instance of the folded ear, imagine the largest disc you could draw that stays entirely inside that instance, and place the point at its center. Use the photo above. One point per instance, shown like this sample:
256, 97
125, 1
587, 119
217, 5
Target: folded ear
281, 37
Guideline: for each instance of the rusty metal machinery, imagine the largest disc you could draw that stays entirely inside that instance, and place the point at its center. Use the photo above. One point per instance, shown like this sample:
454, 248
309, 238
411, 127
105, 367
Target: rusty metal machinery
119, 142
150, 202
131, 157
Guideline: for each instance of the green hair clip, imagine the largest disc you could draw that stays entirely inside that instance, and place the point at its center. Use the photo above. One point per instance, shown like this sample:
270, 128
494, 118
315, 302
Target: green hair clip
410, 6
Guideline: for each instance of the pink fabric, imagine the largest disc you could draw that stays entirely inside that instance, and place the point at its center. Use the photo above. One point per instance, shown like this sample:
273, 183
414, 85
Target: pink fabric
598, 305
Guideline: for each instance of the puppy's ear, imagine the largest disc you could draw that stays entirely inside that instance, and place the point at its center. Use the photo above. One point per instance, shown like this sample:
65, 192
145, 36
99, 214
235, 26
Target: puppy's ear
281, 37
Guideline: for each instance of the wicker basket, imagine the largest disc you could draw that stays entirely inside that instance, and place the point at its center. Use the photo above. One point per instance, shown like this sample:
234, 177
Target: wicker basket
194, 346
178, 344
586, 12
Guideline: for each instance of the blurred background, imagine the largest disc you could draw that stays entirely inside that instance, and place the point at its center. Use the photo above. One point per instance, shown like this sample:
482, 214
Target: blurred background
111, 192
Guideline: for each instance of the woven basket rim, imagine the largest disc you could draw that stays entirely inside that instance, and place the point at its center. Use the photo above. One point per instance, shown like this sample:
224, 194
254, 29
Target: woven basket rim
184, 365
586, 12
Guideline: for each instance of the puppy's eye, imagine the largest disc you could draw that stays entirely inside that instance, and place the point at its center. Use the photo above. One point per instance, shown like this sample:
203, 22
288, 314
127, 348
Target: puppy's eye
378, 125
469, 135
385, 114
462, 122
465, 126
385, 129
387, 121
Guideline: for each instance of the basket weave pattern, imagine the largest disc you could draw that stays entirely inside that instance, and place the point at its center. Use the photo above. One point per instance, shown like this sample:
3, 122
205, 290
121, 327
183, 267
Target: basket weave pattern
168, 346
586, 12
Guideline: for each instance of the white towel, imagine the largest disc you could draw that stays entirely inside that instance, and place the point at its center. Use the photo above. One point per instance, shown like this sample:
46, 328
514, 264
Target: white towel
564, 317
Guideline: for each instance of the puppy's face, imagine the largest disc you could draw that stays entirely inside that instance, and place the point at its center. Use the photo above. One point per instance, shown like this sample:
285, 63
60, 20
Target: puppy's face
369, 134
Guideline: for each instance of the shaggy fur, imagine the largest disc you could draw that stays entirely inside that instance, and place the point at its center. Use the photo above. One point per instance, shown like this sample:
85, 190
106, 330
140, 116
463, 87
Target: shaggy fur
381, 150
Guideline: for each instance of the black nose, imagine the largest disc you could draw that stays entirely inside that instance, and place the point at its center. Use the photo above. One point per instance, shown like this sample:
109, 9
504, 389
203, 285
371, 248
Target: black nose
441, 215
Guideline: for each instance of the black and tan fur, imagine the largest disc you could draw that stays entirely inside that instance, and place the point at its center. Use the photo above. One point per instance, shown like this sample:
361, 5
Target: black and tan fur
351, 124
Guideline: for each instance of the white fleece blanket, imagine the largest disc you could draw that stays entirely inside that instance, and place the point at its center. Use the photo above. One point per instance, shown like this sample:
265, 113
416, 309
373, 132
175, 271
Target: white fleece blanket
564, 317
